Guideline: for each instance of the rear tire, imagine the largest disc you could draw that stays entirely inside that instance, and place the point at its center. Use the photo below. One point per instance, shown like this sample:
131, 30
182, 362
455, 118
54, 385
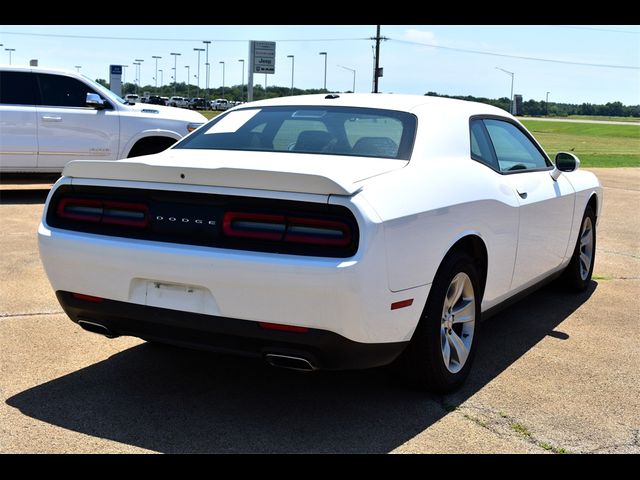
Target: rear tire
577, 275
443, 346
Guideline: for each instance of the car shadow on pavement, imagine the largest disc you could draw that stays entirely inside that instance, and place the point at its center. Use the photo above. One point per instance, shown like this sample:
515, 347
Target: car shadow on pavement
174, 400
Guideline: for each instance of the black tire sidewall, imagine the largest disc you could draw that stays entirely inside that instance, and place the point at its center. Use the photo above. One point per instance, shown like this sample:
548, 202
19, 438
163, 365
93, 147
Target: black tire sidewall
572, 276
426, 365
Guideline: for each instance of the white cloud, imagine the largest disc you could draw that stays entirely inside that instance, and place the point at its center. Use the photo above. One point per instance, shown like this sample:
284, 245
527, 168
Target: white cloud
420, 36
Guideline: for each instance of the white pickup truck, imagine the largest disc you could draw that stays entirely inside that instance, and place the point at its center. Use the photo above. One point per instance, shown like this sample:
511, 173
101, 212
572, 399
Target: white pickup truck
178, 102
51, 116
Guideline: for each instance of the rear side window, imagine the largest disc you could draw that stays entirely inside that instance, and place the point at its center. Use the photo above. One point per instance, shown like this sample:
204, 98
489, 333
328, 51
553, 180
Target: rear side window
481, 148
18, 88
62, 91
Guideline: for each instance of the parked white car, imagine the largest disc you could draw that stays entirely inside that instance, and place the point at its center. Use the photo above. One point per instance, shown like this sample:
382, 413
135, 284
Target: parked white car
323, 232
49, 117
134, 98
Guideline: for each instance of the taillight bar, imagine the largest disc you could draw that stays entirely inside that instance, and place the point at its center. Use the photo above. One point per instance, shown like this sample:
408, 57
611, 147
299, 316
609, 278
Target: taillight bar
104, 211
254, 225
314, 231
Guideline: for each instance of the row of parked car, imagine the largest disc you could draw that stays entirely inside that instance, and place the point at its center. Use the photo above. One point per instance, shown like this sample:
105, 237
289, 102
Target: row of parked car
194, 103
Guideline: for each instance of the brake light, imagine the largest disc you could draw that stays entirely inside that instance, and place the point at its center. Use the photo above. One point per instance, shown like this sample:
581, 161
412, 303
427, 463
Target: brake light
253, 225
313, 231
318, 232
104, 211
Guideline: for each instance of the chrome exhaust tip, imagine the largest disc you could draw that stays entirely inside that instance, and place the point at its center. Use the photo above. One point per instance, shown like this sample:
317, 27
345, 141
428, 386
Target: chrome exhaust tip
96, 328
287, 361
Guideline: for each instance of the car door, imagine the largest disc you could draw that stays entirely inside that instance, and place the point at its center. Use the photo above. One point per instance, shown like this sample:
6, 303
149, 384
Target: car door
546, 206
18, 121
70, 130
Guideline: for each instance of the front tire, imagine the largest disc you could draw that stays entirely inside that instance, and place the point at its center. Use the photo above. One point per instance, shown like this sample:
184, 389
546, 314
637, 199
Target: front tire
443, 346
577, 275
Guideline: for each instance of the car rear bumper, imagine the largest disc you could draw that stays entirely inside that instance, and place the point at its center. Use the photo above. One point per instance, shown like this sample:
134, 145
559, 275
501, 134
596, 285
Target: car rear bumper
320, 348
349, 297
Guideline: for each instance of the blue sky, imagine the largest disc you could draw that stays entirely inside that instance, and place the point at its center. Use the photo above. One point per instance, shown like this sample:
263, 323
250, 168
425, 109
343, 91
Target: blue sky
408, 67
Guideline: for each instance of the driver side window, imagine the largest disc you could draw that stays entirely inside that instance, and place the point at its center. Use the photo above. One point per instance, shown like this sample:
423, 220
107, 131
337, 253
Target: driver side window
513, 148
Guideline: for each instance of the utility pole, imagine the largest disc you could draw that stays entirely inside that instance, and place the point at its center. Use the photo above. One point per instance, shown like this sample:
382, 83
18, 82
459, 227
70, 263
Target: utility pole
378, 70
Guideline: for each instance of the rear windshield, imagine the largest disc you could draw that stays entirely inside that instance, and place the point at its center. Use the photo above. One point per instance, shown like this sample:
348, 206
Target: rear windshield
353, 131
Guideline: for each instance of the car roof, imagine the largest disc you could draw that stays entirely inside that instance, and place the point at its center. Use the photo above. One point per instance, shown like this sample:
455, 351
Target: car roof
40, 69
387, 101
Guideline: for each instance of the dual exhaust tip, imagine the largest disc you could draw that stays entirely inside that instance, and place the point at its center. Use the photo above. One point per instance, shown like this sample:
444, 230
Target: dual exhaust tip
274, 359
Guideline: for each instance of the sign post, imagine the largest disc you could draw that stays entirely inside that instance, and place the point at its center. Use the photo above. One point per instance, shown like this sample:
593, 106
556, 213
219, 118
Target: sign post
115, 79
262, 59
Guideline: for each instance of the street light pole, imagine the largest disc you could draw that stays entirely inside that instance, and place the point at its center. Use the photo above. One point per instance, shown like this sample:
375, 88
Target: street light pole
222, 79
353, 90
78, 67
161, 77
10, 50
292, 70
325, 69
512, 75
188, 78
242, 60
139, 70
175, 71
198, 50
137, 82
546, 104
207, 67
156, 77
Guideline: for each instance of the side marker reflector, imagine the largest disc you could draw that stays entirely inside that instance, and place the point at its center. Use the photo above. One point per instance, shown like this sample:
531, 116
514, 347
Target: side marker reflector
402, 304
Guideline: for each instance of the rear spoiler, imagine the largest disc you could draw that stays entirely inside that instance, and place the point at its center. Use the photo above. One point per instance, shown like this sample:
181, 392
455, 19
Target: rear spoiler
214, 177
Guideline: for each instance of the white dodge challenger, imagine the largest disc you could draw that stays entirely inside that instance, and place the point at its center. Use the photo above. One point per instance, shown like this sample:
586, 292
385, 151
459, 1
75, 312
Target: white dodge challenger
323, 232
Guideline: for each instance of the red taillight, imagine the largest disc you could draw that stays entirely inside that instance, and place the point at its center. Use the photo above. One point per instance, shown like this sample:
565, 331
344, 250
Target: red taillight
82, 209
104, 211
317, 231
285, 328
313, 231
253, 225
87, 298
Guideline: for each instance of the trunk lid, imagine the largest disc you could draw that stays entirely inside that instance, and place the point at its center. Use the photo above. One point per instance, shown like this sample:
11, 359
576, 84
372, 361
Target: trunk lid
277, 171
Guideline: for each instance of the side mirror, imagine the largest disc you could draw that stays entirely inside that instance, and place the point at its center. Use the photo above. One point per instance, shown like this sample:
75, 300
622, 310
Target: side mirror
93, 100
565, 162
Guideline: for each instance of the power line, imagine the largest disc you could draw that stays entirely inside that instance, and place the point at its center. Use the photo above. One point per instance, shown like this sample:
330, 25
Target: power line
98, 37
637, 32
520, 57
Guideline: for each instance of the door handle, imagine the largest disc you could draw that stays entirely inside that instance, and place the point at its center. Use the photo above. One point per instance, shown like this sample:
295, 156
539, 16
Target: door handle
521, 192
48, 118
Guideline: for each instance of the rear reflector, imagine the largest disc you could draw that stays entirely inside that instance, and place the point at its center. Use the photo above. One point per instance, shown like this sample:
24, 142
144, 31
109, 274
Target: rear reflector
104, 211
87, 298
285, 328
402, 304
